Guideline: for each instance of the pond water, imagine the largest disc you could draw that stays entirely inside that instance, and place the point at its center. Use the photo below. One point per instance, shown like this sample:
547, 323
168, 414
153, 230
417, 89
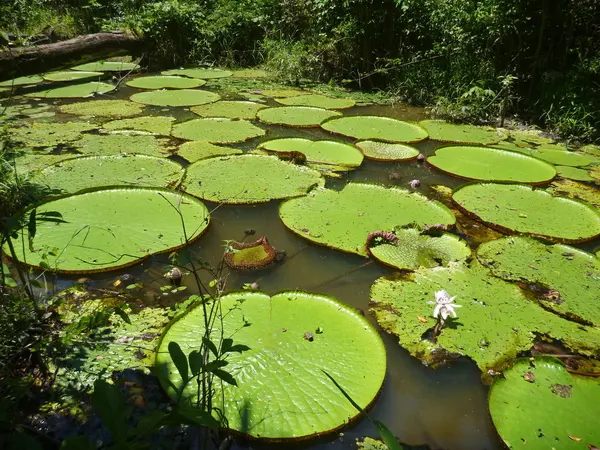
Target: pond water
441, 408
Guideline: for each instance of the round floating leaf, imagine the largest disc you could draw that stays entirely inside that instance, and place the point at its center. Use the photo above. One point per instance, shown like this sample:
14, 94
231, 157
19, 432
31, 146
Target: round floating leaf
113, 228
80, 90
30, 162
76, 174
165, 82
529, 136
49, 134
522, 209
249, 73
591, 149
152, 124
196, 150
250, 255
248, 179
199, 73
375, 127
71, 75
572, 273
317, 101
415, 250
343, 219
280, 93
22, 81
229, 109
440, 130
107, 66
115, 144
573, 173
563, 158
494, 324
175, 97
491, 164
217, 130
102, 108
539, 405
337, 155
384, 151
296, 116
282, 391
572, 189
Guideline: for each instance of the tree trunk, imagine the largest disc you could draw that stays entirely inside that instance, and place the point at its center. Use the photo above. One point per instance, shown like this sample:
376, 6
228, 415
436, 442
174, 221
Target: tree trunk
23, 61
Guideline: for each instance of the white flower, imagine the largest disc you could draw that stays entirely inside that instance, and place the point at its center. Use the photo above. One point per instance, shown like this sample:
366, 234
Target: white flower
443, 305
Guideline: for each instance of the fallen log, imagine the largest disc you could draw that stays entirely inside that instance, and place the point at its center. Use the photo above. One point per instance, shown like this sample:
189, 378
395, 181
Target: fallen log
23, 61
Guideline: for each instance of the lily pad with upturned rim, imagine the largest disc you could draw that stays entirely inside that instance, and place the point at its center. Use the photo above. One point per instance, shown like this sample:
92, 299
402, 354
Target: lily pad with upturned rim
282, 374
440, 130
175, 97
109, 229
296, 116
115, 144
160, 125
248, 179
573, 173
217, 130
385, 151
196, 150
199, 73
491, 164
80, 90
165, 82
249, 73
522, 209
282, 93
229, 109
573, 189
343, 219
563, 158
22, 81
376, 127
49, 134
538, 404
102, 108
107, 66
317, 101
249, 255
71, 75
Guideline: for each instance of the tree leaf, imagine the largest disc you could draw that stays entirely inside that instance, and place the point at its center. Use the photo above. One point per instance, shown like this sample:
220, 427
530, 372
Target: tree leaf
180, 360
225, 376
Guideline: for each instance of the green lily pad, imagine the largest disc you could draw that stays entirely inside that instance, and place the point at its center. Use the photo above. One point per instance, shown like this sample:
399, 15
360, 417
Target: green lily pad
512, 147
74, 175
248, 179
337, 155
199, 73
22, 81
281, 93
529, 136
49, 134
250, 255
591, 149
229, 110
160, 125
385, 151
113, 228
563, 158
440, 130
573, 173
71, 75
371, 444
522, 209
343, 219
165, 82
217, 130
317, 101
196, 150
296, 116
80, 90
539, 405
175, 97
249, 73
573, 189
30, 162
283, 372
414, 250
491, 164
115, 144
376, 127
107, 66
595, 173
102, 108
494, 324
573, 273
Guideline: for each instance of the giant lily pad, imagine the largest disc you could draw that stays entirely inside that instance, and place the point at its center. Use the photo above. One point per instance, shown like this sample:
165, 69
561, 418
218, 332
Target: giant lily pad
522, 209
115, 144
165, 82
74, 90
280, 93
248, 179
229, 109
152, 124
107, 66
571, 276
296, 116
317, 101
440, 130
217, 130
249, 255
491, 164
199, 73
385, 151
495, 323
539, 405
30, 162
196, 150
375, 127
591, 149
49, 134
113, 228
22, 81
103, 108
175, 97
71, 75
76, 174
414, 249
563, 158
336, 155
573, 189
282, 391
573, 173
343, 219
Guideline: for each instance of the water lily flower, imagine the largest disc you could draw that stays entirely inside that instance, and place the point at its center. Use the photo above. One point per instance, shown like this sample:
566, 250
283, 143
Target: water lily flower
444, 305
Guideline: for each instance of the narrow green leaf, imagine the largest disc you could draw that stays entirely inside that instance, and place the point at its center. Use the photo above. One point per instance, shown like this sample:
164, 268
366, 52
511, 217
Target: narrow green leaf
213, 365
211, 346
123, 315
225, 376
195, 358
150, 423
239, 348
194, 416
387, 436
226, 345
179, 359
